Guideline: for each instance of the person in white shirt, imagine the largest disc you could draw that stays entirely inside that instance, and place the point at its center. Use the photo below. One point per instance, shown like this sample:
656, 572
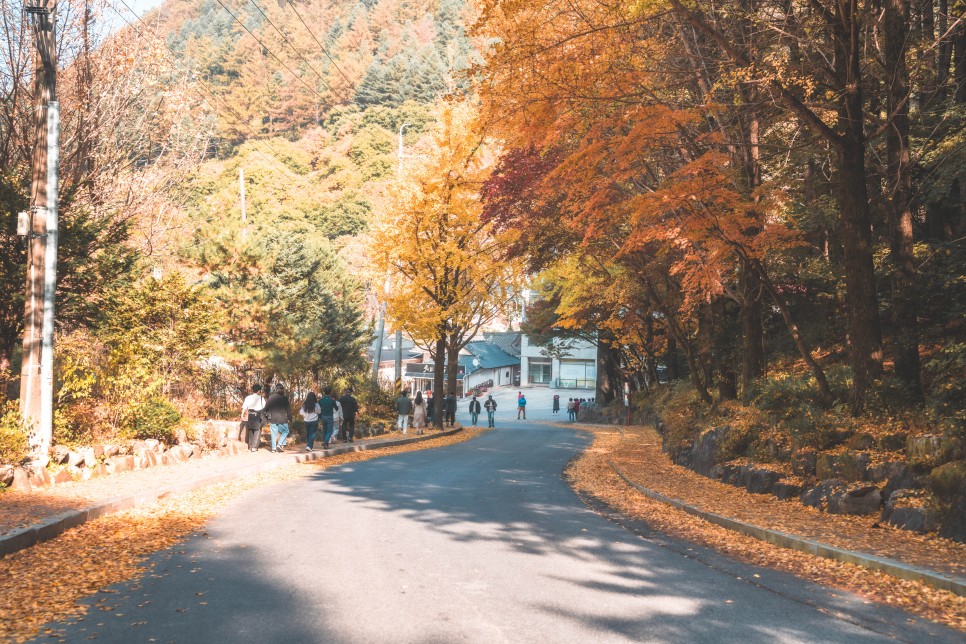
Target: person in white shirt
310, 413
253, 417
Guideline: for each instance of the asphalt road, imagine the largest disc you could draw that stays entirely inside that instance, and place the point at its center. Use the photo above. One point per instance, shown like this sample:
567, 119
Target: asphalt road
478, 542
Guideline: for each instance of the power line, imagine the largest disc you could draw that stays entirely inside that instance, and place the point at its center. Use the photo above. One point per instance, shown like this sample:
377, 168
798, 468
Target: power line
297, 52
238, 120
272, 54
321, 46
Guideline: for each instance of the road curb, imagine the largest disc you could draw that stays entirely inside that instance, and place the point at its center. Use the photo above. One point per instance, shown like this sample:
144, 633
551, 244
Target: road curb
931, 578
54, 526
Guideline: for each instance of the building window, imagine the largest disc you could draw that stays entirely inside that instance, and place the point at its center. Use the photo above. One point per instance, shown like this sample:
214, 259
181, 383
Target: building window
540, 372
577, 374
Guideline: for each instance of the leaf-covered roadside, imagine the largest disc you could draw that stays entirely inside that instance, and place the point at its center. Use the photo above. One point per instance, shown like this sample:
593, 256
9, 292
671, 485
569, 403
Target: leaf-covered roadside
45, 583
591, 474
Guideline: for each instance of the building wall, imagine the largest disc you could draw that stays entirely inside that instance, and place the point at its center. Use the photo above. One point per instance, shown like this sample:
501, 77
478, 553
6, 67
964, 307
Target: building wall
583, 354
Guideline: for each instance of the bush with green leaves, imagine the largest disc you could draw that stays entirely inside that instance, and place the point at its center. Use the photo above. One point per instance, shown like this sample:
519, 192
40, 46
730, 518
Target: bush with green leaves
154, 418
14, 447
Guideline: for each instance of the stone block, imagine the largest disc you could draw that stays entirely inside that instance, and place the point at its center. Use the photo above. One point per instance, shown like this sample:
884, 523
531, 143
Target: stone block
152, 444
820, 496
111, 450
886, 470
761, 480
804, 462
785, 491
861, 441
930, 450
954, 521
20, 480
90, 458
168, 458
58, 454
86, 474
863, 499
911, 510
40, 477
704, 453
74, 458
151, 458
892, 442
100, 470
98, 451
6, 475
61, 477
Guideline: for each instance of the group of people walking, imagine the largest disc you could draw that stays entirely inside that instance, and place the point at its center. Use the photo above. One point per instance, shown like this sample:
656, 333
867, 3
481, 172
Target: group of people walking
331, 412
421, 409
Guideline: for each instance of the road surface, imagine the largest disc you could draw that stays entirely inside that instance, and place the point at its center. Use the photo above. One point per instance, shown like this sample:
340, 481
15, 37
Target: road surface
477, 542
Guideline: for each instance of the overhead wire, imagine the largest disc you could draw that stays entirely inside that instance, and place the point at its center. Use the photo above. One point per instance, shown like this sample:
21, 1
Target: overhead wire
319, 43
273, 55
238, 119
293, 47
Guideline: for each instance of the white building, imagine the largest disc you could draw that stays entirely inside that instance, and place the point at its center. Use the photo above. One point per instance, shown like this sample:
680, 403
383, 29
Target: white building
577, 369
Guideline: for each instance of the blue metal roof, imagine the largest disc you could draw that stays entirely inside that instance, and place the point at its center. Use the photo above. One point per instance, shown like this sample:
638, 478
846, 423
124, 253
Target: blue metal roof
490, 356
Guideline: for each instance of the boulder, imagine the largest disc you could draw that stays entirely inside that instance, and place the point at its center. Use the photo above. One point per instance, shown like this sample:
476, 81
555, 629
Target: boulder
886, 470
74, 458
180, 436
100, 470
910, 510
735, 475
803, 463
188, 450
863, 499
20, 480
111, 450
62, 476
58, 454
761, 480
90, 458
849, 466
41, 477
705, 450
118, 464
152, 444
75, 472
954, 522
151, 458
785, 491
861, 441
821, 495
904, 479
6, 475
168, 458
87, 473
98, 451
930, 450
892, 442
949, 481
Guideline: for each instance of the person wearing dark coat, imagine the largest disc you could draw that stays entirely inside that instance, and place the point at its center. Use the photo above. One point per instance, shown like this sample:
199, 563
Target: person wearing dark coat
279, 411
450, 409
350, 407
490, 407
475, 410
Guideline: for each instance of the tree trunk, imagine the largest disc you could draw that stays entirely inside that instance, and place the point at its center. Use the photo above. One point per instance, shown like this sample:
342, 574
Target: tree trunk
752, 331
904, 297
452, 368
609, 377
438, 366
861, 300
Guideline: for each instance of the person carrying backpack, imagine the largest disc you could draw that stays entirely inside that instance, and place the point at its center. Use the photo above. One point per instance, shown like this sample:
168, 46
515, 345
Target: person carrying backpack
474, 410
279, 411
253, 417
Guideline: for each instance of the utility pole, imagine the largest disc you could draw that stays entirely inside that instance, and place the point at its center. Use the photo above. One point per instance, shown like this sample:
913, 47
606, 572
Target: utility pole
398, 356
42, 230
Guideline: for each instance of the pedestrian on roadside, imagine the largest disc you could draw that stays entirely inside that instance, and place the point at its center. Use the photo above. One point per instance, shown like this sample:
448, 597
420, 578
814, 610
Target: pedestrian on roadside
419, 413
570, 409
336, 416
350, 407
490, 407
429, 407
253, 416
576, 407
279, 410
522, 407
556, 403
310, 414
450, 409
403, 406
475, 410
327, 416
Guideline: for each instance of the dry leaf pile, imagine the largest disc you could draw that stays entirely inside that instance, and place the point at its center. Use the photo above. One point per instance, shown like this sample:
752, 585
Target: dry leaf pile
44, 583
638, 454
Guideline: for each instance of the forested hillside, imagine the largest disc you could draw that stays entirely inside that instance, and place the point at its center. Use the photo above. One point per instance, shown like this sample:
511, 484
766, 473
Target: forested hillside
304, 100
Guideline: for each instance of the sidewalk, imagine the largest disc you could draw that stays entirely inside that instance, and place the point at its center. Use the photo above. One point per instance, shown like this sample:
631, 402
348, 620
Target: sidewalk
29, 517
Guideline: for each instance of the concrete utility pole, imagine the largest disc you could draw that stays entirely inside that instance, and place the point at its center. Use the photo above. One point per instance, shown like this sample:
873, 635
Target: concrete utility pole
42, 233
398, 356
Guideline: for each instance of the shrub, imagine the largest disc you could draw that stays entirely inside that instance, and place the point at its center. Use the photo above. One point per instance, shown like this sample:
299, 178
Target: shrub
14, 447
154, 418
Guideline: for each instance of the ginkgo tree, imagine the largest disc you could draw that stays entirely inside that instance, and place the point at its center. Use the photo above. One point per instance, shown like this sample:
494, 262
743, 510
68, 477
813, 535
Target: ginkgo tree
448, 274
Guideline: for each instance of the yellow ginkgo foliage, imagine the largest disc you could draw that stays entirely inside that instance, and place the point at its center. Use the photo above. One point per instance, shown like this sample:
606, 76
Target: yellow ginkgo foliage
447, 273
